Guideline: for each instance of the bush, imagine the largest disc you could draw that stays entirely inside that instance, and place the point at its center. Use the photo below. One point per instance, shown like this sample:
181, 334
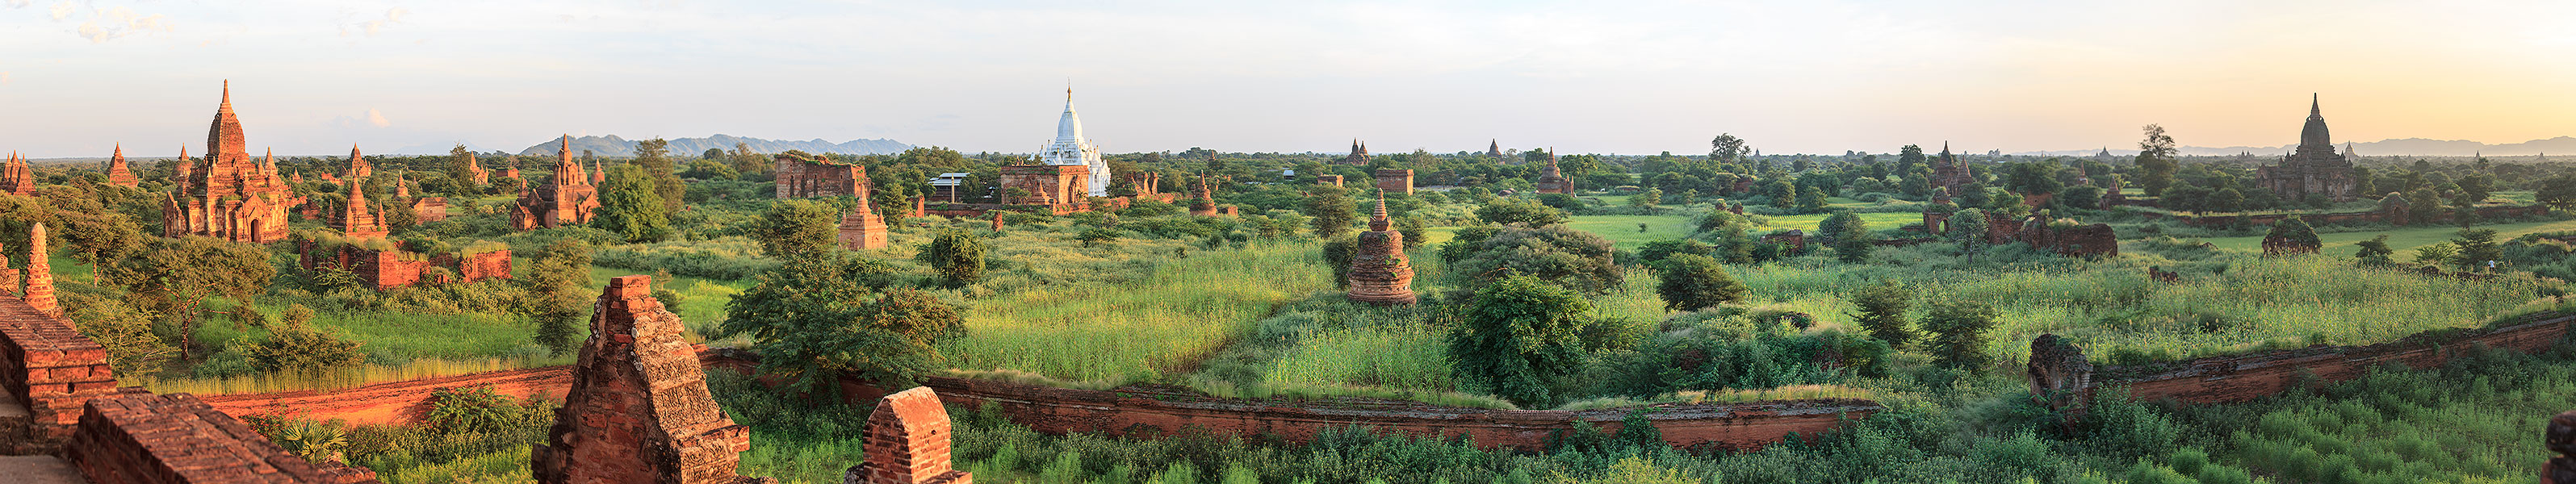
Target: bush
1689, 282
1575, 259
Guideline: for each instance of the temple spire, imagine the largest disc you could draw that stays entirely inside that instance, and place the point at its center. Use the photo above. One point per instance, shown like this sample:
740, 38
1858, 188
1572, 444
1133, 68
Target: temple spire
2314, 106
1377, 220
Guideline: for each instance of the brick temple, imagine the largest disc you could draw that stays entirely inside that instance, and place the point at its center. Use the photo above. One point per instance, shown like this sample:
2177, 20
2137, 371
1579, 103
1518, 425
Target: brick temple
863, 228
16, 178
567, 199
228, 195
1551, 180
118, 173
2311, 169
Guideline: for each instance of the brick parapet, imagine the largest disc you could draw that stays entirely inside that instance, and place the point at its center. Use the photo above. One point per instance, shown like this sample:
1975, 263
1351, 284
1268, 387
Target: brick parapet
2236, 378
142, 438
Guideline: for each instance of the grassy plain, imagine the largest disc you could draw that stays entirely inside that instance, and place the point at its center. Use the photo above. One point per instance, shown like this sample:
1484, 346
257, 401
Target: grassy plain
1182, 310
2402, 239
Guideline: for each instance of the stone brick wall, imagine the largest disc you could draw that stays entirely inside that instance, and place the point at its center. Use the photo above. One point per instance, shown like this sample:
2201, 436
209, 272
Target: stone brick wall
389, 269
487, 265
1046, 184
2236, 378
639, 409
48, 366
142, 438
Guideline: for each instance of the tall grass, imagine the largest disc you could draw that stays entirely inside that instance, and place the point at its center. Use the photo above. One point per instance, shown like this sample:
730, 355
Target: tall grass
1161, 323
1406, 356
2228, 303
2467, 423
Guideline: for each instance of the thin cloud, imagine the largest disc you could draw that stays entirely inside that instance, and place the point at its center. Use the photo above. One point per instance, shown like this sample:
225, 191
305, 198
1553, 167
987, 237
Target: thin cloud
110, 24
377, 118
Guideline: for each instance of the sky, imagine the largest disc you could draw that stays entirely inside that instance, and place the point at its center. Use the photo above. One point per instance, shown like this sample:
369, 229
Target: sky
315, 77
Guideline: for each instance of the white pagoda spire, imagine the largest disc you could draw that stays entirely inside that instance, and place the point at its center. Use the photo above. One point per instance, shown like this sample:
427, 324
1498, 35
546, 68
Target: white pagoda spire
1070, 148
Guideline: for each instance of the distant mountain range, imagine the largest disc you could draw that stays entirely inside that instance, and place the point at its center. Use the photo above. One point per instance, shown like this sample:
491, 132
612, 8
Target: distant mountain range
2387, 147
614, 146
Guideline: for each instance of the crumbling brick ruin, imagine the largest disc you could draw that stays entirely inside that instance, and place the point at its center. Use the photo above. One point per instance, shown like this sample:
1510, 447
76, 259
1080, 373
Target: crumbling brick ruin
1380, 274
639, 410
228, 195
118, 173
568, 199
2071, 240
2059, 376
429, 209
1062, 188
908, 443
141, 438
801, 177
2561, 440
388, 268
863, 228
1334, 180
1794, 238
1203, 197
1396, 181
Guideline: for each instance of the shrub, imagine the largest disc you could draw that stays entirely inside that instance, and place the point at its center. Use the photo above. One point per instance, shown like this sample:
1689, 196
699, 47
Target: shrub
1688, 282
1576, 259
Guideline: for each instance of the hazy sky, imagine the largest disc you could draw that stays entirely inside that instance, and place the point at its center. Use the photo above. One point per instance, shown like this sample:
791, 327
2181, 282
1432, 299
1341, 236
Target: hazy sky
313, 77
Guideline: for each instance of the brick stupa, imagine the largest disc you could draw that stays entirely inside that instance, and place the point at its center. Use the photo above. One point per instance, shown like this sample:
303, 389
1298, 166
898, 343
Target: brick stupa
908, 443
1380, 274
863, 228
118, 173
639, 409
355, 219
1551, 180
568, 199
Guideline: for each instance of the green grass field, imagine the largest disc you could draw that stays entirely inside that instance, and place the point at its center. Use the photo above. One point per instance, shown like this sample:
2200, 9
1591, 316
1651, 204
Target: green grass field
2400, 239
1127, 331
1622, 229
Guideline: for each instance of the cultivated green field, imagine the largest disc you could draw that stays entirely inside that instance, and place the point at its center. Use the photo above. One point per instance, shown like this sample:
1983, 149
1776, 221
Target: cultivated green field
1129, 331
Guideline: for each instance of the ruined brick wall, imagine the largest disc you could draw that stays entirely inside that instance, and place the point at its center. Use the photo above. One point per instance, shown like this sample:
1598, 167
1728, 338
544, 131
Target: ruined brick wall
908, 443
48, 366
487, 265
387, 269
2236, 378
1395, 181
1162, 410
639, 409
1046, 184
142, 438
429, 209
2096, 240
800, 178
1334, 180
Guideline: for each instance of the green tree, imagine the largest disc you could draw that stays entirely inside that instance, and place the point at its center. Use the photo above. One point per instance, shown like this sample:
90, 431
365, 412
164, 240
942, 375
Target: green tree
2375, 252
1507, 211
120, 327
2476, 188
836, 314
956, 255
751, 163
296, 347
629, 207
2156, 163
461, 170
1850, 237
2295, 230
1882, 312
654, 155
1811, 200
2436, 253
795, 228
1332, 212
1726, 148
2476, 248
2558, 192
1516, 333
1958, 330
1646, 200
1574, 259
559, 294
1689, 282
176, 276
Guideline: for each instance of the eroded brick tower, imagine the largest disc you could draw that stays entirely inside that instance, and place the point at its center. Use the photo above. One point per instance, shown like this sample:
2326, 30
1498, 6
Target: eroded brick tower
568, 199
639, 410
